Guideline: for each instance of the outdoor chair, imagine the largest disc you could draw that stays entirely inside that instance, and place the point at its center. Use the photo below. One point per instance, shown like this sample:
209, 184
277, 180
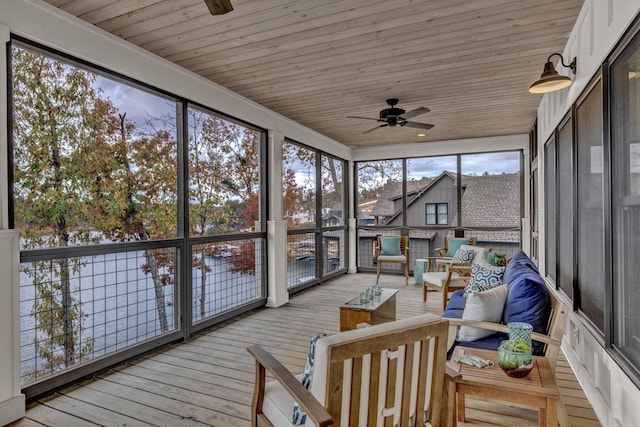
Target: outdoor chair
387, 374
451, 245
393, 250
457, 276
454, 243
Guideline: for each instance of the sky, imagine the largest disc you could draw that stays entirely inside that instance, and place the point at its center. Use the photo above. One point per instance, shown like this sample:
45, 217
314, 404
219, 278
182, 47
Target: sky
493, 163
140, 105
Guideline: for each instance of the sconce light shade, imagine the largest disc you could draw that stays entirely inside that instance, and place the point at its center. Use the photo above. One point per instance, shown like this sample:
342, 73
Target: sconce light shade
550, 80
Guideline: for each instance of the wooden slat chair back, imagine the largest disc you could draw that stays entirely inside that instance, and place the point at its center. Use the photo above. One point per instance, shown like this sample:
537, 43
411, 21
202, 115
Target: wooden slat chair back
392, 373
402, 259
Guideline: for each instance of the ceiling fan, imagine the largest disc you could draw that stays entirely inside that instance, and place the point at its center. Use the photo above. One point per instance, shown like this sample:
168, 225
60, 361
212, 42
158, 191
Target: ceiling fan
393, 116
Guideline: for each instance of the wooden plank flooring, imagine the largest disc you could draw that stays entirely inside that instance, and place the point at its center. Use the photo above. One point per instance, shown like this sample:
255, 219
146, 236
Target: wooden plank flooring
208, 381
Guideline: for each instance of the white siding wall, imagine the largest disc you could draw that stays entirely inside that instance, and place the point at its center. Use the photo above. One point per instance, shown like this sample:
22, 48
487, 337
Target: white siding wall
600, 25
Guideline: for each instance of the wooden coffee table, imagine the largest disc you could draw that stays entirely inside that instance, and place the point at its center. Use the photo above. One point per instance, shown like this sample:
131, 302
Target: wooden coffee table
536, 390
381, 309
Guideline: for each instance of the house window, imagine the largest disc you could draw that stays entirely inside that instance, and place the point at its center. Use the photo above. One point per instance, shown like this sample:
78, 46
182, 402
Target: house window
437, 213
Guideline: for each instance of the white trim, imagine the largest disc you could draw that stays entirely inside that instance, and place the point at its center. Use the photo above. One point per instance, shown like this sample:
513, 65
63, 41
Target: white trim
11, 400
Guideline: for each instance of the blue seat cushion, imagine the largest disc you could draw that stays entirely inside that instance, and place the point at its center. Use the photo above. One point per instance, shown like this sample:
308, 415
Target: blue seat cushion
455, 306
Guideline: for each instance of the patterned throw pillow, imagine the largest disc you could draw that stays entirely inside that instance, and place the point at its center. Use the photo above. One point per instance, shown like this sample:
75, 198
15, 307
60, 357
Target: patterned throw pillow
299, 417
483, 278
463, 255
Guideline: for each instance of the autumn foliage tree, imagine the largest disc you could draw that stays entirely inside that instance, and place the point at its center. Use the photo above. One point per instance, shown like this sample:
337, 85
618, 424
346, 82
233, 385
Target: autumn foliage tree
223, 187
56, 116
82, 174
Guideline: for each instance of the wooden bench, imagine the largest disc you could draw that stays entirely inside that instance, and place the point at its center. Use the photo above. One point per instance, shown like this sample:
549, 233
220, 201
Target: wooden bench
552, 339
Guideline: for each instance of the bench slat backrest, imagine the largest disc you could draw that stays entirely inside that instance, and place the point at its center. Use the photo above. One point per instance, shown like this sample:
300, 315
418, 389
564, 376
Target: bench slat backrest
392, 374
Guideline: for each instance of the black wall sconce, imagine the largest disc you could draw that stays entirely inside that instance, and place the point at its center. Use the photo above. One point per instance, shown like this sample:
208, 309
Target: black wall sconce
550, 80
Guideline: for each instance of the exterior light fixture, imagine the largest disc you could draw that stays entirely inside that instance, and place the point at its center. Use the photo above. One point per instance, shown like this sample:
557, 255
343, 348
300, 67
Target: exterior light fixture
550, 80
422, 134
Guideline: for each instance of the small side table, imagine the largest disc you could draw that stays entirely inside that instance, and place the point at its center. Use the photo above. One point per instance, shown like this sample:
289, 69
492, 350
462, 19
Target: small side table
382, 309
536, 390
422, 265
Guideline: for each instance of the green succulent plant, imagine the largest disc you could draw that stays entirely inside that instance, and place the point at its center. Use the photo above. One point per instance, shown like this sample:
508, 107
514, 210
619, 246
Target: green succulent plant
517, 346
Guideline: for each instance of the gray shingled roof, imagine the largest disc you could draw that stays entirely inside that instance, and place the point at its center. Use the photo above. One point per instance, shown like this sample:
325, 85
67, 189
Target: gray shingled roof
498, 195
393, 191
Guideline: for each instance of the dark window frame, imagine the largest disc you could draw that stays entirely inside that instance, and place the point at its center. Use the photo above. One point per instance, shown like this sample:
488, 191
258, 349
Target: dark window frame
437, 214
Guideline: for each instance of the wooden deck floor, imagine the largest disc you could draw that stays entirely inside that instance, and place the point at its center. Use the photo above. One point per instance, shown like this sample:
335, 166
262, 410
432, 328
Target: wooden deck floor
209, 380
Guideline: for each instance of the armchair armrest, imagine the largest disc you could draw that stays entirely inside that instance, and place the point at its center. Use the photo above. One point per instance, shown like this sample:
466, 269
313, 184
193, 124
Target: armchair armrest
498, 327
264, 360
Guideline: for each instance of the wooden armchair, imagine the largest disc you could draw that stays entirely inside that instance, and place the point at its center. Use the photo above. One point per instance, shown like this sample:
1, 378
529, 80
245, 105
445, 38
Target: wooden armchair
457, 276
393, 372
402, 257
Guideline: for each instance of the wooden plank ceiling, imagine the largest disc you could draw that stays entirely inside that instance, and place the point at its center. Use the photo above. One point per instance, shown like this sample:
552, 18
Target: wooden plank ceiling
318, 61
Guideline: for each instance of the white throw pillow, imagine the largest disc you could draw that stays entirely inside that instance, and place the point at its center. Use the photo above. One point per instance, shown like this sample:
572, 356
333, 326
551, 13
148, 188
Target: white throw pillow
486, 306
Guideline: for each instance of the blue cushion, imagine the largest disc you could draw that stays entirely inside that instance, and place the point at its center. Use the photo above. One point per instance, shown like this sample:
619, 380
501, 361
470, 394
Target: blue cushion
455, 306
454, 243
492, 342
520, 260
389, 245
528, 300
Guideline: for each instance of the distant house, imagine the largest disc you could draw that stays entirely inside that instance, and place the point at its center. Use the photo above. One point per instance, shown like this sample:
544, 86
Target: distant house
488, 201
332, 217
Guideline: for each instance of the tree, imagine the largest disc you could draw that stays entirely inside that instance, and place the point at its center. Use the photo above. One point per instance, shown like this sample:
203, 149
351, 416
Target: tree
56, 115
145, 167
224, 176
83, 174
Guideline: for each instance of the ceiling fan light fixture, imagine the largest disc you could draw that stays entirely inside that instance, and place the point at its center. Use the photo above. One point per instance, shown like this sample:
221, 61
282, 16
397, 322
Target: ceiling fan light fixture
550, 80
219, 7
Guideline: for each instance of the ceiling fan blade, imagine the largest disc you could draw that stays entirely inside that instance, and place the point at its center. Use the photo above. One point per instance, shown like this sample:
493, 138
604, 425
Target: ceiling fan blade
416, 112
219, 7
417, 125
364, 118
375, 128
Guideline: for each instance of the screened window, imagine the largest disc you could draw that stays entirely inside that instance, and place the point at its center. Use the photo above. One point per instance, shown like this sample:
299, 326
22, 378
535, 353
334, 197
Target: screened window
314, 208
437, 213
91, 166
565, 212
550, 207
625, 199
590, 222
97, 159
